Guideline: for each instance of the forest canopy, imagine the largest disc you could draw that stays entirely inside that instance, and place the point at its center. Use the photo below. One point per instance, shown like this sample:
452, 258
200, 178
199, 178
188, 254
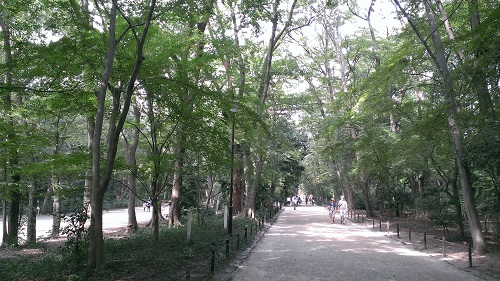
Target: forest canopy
206, 104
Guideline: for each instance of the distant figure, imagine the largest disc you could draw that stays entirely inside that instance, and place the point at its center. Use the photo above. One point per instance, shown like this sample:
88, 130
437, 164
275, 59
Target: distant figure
332, 208
295, 200
288, 201
342, 209
148, 205
38, 209
144, 205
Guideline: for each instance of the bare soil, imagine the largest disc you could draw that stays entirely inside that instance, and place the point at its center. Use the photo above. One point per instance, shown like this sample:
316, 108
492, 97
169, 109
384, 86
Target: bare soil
455, 250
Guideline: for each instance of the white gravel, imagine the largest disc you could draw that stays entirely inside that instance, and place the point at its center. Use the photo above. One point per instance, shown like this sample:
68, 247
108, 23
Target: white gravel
111, 219
304, 245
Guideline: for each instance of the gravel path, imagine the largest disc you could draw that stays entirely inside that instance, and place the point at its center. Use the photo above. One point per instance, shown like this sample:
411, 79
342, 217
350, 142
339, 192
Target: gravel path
112, 219
303, 245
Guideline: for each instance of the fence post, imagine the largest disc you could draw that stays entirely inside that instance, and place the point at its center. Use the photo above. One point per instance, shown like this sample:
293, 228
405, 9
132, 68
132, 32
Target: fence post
425, 240
397, 227
373, 222
380, 224
409, 234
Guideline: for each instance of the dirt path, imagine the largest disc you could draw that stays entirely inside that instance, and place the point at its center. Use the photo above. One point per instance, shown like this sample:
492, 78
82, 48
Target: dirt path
303, 245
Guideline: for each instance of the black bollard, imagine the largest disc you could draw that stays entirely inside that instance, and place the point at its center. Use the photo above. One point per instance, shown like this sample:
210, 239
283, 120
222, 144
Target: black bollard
409, 234
397, 227
425, 240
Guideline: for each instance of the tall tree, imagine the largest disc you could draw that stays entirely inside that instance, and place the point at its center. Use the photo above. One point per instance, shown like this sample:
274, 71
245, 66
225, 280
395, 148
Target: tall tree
101, 176
439, 58
13, 193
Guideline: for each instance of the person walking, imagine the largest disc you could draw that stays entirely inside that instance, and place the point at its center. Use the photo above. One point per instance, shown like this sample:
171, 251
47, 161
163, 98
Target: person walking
295, 200
332, 208
342, 205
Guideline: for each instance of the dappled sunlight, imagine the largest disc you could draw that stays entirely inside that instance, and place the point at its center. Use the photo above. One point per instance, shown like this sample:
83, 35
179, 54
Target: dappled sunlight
303, 222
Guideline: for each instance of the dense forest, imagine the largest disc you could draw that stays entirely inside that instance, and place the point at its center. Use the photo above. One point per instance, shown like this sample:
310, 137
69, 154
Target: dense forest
205, 104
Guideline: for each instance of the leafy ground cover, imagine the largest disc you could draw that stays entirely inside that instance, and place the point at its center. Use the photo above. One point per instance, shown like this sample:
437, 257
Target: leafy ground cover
454, 250
137, 256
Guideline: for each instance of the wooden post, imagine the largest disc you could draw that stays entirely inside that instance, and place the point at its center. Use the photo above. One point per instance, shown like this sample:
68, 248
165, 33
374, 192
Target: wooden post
397, 228
409, 234
373, 222
425, 240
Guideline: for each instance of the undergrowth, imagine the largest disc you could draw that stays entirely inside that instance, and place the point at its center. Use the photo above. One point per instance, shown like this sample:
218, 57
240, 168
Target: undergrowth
139, 257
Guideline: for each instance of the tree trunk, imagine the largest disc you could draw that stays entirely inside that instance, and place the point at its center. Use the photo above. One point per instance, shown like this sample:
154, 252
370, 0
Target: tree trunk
350, 198
479, 243
56, 209
456, 203
5, 231
175, 208
485, 103
13, 192
417, 197
246, 175
270, 199
130, 156
32, 203
366, 194
118, 115
250, 200
238, 191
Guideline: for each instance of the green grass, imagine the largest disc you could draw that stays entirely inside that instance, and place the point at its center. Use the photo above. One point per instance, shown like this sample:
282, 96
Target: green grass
138, 257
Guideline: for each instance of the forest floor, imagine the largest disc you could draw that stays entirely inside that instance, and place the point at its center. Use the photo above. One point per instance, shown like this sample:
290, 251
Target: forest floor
456, 250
